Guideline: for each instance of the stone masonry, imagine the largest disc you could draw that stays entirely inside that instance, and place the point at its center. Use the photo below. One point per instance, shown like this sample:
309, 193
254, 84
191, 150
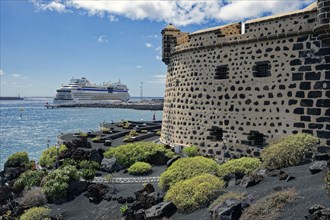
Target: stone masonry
234, 89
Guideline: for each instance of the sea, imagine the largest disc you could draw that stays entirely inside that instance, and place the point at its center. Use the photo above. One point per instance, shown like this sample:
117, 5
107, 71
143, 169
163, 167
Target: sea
28, 126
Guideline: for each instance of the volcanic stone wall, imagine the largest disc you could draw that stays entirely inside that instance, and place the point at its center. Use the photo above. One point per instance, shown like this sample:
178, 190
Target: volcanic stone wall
252, 89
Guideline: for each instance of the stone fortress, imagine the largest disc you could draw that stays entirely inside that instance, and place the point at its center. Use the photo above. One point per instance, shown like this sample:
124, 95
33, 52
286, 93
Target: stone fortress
232, 90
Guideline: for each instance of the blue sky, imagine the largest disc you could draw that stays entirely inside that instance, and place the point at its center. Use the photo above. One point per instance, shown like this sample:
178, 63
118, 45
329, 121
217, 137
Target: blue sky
44, 43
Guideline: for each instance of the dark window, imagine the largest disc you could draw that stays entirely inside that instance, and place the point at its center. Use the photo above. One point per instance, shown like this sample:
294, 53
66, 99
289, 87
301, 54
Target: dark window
216, 134
221, 72
261, 69
256, 138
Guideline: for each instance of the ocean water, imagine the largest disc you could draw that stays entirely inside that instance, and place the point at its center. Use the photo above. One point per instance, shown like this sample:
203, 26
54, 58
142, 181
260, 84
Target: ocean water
28, 125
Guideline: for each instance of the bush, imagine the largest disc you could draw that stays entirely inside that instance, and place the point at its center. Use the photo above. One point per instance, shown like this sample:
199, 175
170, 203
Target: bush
105, 130
191, 151
144, 131
133, 133
158, 133
139, 168
33, 197
17, 159
229, 195
69, 161
57, 182
88, 174
36, 213
86, 164
89, 169
29, 179
268, 207
128, 154
290, 151
81, 134
186, 168
194, 193
244, 165
48, 157
96, 139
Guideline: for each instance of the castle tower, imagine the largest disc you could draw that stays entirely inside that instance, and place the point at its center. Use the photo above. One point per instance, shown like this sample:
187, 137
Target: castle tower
169, 34
323, 27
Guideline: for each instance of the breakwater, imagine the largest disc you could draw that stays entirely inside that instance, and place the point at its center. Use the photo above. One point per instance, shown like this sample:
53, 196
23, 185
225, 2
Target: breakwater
136, 106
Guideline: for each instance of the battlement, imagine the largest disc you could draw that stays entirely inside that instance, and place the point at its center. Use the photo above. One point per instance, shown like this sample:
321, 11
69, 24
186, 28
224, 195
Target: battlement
249, 83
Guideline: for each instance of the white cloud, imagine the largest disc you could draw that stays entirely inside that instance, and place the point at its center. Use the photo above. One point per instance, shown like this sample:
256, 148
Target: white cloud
138, 67
153, 36
2, 72
158, 57
55, 5
157, 80
102, 39
148, 45
179, 12
17, 75
113, 18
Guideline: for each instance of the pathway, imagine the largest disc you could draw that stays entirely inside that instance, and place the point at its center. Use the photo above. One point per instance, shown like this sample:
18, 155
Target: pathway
128, 180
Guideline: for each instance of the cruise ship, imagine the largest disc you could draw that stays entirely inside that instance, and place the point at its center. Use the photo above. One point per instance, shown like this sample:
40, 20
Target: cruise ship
82, 91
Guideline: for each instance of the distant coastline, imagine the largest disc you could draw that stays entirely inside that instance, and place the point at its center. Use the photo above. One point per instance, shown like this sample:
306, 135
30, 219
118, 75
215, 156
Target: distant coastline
14, 98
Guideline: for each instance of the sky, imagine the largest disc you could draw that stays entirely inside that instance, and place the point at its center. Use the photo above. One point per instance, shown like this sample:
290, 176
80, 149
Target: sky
44, 43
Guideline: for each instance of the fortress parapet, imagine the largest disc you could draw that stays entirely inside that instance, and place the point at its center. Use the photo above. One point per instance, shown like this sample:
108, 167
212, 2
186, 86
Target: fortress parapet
323, 27
233, 89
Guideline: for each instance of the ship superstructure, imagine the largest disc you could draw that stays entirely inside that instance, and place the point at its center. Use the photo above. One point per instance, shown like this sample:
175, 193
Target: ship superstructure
81, 91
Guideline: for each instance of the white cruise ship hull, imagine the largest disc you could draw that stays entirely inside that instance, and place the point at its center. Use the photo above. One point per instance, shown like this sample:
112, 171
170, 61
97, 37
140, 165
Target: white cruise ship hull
78, 94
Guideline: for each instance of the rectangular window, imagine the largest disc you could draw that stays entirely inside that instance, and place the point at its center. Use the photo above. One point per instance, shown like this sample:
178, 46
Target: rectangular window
261, 69
256, 138
221, 72
216, 134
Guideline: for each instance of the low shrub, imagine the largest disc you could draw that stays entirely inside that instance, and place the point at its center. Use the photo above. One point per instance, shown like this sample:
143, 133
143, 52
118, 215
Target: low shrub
105, 130
36, 213
128, 139
33, 197
158, 133
96, 139
290, 151
88, 169
17, 159
81, 134
228, 195
88, 174
69, 161
194, 193
128, 154
87, 164
186, 168
28, 179
48, 157
56, 183
144, 131
133, 133
139, 168
268, 207
244, 165
191, 151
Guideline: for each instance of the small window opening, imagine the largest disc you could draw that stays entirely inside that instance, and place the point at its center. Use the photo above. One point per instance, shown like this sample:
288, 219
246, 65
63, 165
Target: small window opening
261, 69
216, 134
221, 72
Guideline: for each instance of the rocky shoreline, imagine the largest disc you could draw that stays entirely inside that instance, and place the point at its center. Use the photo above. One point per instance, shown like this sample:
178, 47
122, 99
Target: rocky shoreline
132, 197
